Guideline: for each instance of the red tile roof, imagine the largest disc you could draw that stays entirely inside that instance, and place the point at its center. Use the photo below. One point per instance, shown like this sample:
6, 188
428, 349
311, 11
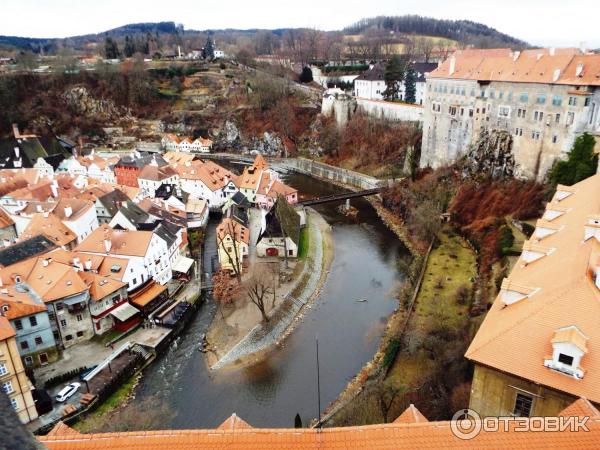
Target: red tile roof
235, 434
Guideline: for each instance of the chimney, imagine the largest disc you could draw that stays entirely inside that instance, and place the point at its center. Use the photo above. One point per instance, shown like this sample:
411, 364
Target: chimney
579, 70
88, 264
46, 261
54, 189
75, 261
68, 211
551, 51
16, 132
516, 55
38, 208
452, 65
107, 245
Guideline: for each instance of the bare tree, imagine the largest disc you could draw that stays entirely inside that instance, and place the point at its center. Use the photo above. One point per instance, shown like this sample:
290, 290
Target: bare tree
258, 289
386, 395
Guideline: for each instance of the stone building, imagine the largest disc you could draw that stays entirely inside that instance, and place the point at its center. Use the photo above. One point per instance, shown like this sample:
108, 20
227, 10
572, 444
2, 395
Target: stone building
544, 97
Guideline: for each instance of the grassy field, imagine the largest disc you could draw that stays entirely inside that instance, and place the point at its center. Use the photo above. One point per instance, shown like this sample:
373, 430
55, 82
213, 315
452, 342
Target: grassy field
304, 243
450, 266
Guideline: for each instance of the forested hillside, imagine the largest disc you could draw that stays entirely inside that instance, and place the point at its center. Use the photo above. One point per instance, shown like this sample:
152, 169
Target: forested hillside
463, 31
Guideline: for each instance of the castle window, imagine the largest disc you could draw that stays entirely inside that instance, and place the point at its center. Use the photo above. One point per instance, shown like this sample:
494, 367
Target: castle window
572, 101
504, 112
523, 404
541, 99
557, 100
524, 97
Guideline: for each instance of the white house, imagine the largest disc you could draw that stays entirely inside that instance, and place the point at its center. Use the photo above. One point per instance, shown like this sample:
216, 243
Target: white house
144, 255
78, 215
206, 180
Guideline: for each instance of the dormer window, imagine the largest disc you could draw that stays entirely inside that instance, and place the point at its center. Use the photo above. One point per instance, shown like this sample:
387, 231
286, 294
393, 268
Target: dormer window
511, 292
592, 227
543, 229
563, 192
553, 211
533, 252
569, 345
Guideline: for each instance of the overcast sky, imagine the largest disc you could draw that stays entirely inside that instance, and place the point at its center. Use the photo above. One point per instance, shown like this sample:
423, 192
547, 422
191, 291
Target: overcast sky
540, 22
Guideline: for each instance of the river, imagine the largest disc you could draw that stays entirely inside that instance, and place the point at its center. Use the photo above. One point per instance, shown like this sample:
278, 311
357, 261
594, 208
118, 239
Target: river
270, 393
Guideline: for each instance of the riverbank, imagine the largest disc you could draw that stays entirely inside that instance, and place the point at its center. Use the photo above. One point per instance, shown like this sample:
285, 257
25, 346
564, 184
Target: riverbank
264, 337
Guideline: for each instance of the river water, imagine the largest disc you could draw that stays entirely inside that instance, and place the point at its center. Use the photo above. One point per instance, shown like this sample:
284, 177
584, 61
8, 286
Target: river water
270, 393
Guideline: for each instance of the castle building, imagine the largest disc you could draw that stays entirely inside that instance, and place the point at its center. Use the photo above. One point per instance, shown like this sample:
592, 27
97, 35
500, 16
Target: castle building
545, 99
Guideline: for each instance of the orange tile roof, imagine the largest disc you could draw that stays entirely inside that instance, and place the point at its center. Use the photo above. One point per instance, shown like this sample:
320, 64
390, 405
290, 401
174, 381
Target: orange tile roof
54, 280
78, 208
123, 242
178, 157
19, 304
100, 286
51, 226
147, 294
5, 219
235, 434
411, 415
211, 174
155, 173
227, 225
278, 188
530, 66
567, 296
6, 330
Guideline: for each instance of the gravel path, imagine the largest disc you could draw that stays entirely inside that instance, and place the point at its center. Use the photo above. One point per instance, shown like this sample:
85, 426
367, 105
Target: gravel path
263, 336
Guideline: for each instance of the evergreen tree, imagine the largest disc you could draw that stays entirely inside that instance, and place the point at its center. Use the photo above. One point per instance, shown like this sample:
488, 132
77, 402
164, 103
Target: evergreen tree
298, 421
393, 75
410, 86
111, 49
129, 48
208, 52
306, 75
581, 163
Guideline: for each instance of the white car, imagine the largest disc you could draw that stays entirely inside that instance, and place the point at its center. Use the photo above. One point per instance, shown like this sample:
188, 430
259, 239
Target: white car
67, 391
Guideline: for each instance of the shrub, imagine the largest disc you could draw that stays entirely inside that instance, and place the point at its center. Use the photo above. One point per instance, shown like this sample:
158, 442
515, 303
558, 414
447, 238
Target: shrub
463, 295
391, 351
505, 241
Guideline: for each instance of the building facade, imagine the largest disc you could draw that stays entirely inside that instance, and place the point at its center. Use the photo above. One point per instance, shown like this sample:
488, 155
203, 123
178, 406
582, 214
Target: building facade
544, 98
13, 380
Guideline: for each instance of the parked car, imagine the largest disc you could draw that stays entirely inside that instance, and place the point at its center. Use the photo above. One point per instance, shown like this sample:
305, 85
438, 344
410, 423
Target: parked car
67, 392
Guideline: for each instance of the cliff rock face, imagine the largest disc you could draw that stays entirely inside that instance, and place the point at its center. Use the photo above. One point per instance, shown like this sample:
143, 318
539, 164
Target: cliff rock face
229, 138
81, 102
270, 144
492, 154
